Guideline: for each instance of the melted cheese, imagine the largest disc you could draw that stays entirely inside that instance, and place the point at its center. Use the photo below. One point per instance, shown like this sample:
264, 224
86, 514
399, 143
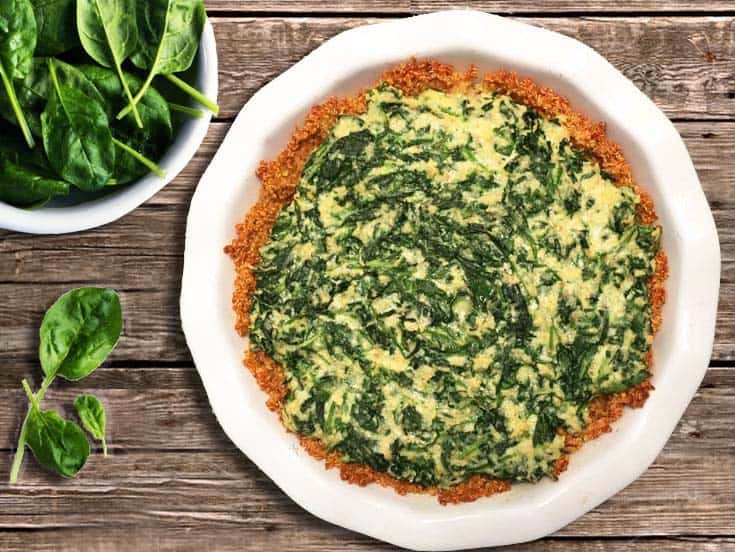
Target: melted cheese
451, 284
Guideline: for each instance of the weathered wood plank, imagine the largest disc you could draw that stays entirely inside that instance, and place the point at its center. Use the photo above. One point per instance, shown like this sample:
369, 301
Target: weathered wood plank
174, 482
157, 408
170, 465
165, 488
141, 255
708, 144
680, 497
314, 536
665, 57
493, 6
177, 415
252, 505
152, 324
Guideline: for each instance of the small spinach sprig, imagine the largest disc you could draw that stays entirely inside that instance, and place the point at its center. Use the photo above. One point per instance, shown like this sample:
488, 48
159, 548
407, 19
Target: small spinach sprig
77, 334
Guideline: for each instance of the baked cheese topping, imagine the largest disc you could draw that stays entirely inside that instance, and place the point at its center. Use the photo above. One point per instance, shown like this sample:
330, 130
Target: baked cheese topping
450, 287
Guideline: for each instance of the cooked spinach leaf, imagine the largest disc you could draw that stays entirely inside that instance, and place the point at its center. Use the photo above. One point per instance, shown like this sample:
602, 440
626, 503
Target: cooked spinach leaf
450, 287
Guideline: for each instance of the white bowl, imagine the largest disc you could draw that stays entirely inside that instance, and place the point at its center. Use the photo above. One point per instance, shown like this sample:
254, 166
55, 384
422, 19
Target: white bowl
660, 163
63, 216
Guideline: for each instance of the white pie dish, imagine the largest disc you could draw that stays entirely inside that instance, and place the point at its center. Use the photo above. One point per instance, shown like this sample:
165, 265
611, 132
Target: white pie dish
64, 215
661, 165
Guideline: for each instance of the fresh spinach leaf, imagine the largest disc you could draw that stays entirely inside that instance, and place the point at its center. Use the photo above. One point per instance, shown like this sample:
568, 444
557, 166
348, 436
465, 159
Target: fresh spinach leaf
109, 34
23, 187
74, 77
57, 27
169, 35
170, 31
18, 34
76, 136
151, 141
33, 90
31, 94
79, 331
56, 443
26, 178
14, 149
17, 42
142, 159
92, 414
193, 92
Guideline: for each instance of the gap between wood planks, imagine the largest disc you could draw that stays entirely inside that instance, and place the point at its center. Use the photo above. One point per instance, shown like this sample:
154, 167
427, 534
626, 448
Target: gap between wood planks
174, 397
685, 64
412, 7
322, 538
34, 271
277, 518
215, 13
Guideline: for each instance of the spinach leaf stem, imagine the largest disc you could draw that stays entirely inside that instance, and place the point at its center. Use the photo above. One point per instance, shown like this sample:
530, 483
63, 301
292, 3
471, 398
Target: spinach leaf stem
194, 93
34, 400
10, 90
158, 171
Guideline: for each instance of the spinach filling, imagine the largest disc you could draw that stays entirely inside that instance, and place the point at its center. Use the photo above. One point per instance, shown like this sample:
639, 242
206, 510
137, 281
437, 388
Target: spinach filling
452, 284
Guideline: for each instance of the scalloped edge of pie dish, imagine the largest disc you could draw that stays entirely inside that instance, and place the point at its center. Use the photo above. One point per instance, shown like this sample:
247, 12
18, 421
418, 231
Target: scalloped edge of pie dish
662, 167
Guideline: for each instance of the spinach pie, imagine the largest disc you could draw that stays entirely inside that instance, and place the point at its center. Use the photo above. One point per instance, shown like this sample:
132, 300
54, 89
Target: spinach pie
449, 283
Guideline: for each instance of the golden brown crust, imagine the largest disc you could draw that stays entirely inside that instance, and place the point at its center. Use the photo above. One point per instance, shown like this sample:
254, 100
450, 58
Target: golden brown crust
359, 474
279, 180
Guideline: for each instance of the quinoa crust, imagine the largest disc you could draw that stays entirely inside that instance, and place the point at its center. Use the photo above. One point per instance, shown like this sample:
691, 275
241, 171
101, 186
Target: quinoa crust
280, 177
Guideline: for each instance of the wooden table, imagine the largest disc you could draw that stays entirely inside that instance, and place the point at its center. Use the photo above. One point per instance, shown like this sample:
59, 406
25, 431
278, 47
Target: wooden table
174, 481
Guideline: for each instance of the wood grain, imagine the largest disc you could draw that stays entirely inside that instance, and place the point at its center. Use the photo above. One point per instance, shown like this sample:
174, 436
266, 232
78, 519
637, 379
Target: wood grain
665, 57
171, 466
493, 6
175, 482
315, 535
141, 255
146, 404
